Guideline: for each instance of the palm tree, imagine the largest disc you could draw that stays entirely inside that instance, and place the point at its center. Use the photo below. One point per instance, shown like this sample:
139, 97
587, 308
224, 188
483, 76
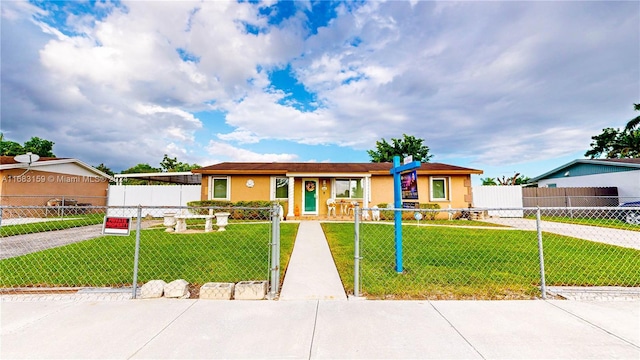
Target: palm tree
626, 145
635, 122
488, 181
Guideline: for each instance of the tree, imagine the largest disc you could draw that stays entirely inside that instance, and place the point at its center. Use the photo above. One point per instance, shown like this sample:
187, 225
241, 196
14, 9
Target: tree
617, 144
408, 145
173, 165
516, 179
39, 146
488, 181
523, 180
35, 145
10, 148
102, 167
141, 168
635, 122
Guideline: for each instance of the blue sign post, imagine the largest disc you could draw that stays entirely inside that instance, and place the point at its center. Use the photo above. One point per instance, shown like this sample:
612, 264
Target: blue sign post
397, 204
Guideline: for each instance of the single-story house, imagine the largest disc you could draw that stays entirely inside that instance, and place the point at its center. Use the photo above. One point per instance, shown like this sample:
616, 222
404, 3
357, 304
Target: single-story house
306, 188
621, 173
50, 181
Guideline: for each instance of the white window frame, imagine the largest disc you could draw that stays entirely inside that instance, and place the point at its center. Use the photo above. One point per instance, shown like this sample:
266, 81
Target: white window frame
447, 188
211, 187
273, 187
363, 184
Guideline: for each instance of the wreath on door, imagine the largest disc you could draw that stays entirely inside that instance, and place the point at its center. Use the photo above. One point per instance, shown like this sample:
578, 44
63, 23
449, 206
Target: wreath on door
311, 186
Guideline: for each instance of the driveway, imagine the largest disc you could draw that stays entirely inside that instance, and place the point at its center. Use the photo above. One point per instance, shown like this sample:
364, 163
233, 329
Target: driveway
624, 238
12, 246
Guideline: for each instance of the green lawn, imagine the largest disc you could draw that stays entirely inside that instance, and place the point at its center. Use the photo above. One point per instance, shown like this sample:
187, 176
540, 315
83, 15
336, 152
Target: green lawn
240, 253
457, 263
444, 222
52, 224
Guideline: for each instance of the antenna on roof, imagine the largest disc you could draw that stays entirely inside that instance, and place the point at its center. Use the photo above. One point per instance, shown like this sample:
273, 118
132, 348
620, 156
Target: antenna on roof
28, 159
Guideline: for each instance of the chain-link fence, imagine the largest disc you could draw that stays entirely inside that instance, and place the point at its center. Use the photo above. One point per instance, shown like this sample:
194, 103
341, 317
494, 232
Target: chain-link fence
571, 201
467, 254
184, 249
49, 204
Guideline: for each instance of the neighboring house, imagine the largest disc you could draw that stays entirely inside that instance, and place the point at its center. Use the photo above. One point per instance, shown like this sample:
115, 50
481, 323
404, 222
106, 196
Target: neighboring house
48, 179
305, 188
621, 173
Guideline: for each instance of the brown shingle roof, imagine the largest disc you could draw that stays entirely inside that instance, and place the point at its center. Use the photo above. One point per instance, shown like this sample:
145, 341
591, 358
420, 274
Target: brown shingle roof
308, 167
11, 160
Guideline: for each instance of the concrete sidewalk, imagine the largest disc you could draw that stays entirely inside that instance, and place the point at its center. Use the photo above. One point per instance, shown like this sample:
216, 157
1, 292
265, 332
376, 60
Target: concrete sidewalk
313, 329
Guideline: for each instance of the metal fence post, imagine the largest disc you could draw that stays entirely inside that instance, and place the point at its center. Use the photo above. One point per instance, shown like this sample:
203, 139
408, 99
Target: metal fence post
543, 288
274, 266
137, 253
1, 216
356, 253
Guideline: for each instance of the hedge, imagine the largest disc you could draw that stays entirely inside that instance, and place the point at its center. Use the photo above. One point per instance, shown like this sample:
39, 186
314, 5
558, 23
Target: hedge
240, 210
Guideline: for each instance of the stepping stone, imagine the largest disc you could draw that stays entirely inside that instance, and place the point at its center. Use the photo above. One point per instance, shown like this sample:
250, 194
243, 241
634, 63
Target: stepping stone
216, 291
152, 289
250, 290
177, 289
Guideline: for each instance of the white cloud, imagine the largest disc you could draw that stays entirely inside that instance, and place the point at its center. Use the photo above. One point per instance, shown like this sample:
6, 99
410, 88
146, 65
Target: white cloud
228, 152
240, 136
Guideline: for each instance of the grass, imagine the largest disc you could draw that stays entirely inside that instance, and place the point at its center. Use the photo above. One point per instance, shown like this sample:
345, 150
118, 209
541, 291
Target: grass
52, 225
458, 263
454, 223
240, 253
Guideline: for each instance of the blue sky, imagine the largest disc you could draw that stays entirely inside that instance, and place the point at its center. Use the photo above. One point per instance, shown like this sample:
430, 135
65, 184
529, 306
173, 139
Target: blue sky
503, 87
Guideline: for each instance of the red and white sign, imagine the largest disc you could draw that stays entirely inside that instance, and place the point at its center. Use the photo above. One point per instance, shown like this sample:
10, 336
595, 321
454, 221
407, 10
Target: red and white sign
116, 225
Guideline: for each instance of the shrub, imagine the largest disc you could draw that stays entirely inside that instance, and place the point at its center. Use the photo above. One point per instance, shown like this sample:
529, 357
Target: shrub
385, 214
240, 210
430, 215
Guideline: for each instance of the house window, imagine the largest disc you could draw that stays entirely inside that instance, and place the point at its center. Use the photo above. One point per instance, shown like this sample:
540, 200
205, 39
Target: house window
281, 187
220, 188
349, 188
439, 189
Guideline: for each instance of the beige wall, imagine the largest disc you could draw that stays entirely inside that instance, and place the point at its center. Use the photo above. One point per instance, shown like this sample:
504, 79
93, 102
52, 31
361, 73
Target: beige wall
35, 187
240, 191
460, 191
381, 191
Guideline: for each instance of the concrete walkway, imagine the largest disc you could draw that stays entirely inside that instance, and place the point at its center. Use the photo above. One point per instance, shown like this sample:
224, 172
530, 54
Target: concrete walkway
312, 273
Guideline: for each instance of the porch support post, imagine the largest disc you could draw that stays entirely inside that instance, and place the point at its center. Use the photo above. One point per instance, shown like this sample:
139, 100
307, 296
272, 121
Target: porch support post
366, 183
291, 196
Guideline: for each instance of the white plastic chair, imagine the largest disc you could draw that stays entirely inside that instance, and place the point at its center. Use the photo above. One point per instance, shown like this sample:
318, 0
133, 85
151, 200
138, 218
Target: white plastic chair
352, 207
331, 207
375, 213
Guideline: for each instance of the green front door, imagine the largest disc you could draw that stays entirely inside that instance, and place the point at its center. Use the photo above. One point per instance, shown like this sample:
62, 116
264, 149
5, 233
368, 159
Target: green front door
310, 189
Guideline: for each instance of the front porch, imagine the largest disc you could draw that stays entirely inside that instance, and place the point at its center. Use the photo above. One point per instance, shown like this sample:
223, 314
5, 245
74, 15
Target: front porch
320, 218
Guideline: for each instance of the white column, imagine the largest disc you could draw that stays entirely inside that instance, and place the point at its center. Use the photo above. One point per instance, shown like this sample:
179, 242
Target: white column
291, 195
365, 194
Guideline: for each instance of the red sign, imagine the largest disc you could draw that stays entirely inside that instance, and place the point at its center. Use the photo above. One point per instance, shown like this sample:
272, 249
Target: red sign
116, 225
